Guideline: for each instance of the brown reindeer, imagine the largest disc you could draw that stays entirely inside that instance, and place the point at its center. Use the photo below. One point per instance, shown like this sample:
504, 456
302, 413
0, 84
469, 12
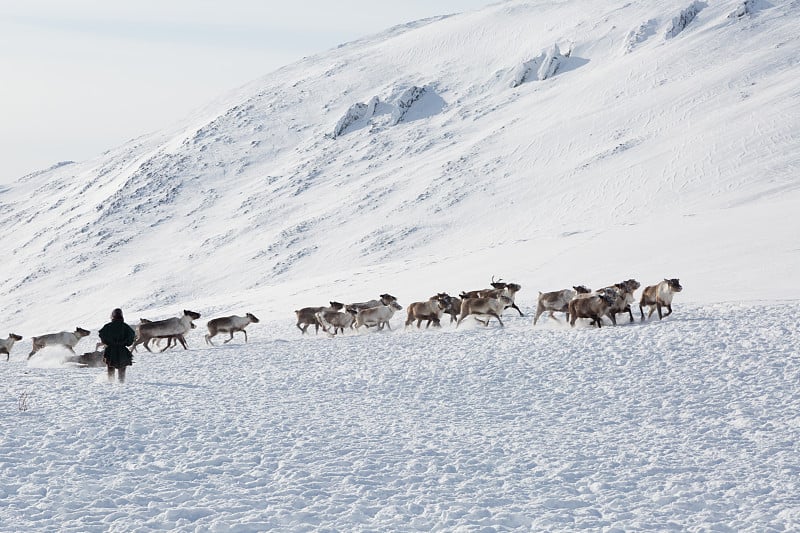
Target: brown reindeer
430, 310
658, 296
594, 306
307, 316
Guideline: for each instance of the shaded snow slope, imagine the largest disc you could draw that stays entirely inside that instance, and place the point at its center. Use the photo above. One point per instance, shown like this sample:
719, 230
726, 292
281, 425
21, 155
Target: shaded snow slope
686, 424
636, 155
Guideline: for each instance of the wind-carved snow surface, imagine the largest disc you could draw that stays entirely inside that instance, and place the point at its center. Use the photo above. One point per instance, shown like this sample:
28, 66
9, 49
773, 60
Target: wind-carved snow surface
403, 163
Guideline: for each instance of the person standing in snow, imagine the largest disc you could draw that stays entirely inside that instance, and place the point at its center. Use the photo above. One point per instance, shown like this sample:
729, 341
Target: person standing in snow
117, 336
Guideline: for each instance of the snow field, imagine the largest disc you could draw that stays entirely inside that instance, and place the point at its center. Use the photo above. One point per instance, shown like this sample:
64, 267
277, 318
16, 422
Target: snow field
690, 423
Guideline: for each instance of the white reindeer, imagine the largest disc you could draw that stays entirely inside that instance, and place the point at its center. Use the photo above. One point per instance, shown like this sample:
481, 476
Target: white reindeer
66, 339
229, 324
175, 327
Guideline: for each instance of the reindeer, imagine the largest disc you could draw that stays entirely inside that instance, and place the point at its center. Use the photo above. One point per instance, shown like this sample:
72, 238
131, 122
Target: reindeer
229, 324
336, 321
171, 327
498, 287
491, 307
384, 299
511, 289
377, 316
89, 359
593, 305
172, 340
7, 344
659, 295
431, 311
623, 298
452, 306
66, 339
307, 316
557, 301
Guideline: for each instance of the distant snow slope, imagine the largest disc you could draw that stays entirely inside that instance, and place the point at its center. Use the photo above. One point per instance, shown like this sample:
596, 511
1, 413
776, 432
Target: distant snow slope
548, 143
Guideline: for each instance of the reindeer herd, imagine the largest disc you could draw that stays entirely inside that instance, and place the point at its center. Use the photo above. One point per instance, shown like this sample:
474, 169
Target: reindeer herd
483, 305
173, 330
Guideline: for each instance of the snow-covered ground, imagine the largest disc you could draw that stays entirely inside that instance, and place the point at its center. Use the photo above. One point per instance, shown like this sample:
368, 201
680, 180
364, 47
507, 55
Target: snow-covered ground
549, 143
688, 424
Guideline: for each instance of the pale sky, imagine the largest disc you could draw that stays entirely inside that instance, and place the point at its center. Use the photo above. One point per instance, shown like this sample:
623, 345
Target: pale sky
83, 76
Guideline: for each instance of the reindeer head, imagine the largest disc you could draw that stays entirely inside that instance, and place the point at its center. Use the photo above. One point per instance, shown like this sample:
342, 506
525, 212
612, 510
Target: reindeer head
632, 284
252, 318
387, 299
582, 289
80, 332
444, 300
674, 284
191, 314
15, 337
338, 306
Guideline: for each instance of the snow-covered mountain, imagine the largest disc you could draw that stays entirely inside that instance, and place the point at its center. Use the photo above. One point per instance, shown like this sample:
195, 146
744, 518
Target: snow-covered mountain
550, 143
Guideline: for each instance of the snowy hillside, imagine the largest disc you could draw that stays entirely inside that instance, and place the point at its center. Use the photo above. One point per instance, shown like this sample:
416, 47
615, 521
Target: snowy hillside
549, 143
552, 144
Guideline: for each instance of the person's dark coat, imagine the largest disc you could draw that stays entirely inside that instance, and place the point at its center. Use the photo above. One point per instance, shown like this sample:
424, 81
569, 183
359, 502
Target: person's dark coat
117, 336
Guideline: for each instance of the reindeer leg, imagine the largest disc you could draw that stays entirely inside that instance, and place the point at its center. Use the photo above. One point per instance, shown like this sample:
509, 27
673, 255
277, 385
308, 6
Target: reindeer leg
658, 306
628, 309
498, 319
518, 309
641, 311
669, 310
229, 340
245, 335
